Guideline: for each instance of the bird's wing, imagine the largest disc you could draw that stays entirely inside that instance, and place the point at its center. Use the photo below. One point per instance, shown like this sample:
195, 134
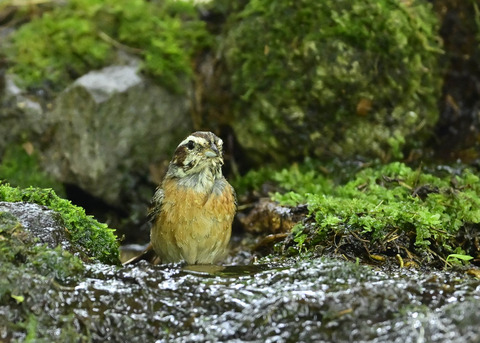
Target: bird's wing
234, 196
156, 204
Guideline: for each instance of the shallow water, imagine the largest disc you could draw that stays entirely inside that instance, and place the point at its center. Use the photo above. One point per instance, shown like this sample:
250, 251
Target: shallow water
291, 301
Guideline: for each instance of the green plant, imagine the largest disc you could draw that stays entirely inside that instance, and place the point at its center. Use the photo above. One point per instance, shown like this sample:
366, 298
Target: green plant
457, 258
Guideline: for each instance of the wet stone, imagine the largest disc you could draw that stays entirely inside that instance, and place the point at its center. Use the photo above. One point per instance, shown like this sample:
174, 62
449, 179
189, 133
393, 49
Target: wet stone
295, 301
42, 224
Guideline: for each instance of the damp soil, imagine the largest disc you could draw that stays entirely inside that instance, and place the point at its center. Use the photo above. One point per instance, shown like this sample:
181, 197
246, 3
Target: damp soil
291, 300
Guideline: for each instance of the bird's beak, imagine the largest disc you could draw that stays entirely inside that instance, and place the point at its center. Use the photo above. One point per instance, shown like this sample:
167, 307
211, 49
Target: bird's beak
212, 151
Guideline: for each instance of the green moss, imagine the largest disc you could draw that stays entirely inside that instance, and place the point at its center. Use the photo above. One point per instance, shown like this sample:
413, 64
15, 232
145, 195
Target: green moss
30, 274
31, 326
21, 169
426, 210
310, 176
82, 35
22, 253
335, 78
96, 238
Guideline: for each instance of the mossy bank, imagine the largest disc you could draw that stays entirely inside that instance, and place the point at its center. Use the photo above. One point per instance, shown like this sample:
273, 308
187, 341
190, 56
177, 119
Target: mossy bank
94, 239
45, 252
419, 217
46, 244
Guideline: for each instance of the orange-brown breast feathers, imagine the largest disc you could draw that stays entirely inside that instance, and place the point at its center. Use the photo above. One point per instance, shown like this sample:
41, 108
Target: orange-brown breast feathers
193, 226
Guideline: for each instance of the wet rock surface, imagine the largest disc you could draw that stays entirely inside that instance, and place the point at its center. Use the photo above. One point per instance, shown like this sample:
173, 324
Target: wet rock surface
42, 225
295, 301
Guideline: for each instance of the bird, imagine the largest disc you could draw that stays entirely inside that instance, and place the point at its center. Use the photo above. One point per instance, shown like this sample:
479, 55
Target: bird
193, 209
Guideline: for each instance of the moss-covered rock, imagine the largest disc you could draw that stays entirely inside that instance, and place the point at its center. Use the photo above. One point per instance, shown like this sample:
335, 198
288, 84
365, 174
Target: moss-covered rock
81, 35
29, 275
94, 239
333, 77
19, 246
388, 210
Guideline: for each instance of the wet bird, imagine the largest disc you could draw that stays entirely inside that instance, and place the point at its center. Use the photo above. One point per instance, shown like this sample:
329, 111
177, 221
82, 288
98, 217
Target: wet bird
193, 209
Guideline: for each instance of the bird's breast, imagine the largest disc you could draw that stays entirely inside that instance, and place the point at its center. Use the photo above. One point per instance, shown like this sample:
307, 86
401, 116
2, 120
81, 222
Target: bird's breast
194, 225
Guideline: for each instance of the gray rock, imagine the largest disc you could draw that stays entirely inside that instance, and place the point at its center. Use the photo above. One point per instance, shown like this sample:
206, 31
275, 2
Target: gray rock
42, 224
20, 114
109, 126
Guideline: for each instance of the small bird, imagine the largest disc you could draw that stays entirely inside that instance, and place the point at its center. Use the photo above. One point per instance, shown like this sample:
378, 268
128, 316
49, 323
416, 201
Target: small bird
193, 209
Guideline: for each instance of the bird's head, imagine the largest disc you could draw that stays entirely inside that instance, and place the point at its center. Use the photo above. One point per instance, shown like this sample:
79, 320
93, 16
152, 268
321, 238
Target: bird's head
200, 152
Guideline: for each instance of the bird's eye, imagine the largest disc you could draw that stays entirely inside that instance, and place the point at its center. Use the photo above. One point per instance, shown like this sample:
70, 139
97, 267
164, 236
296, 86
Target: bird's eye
190, 145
